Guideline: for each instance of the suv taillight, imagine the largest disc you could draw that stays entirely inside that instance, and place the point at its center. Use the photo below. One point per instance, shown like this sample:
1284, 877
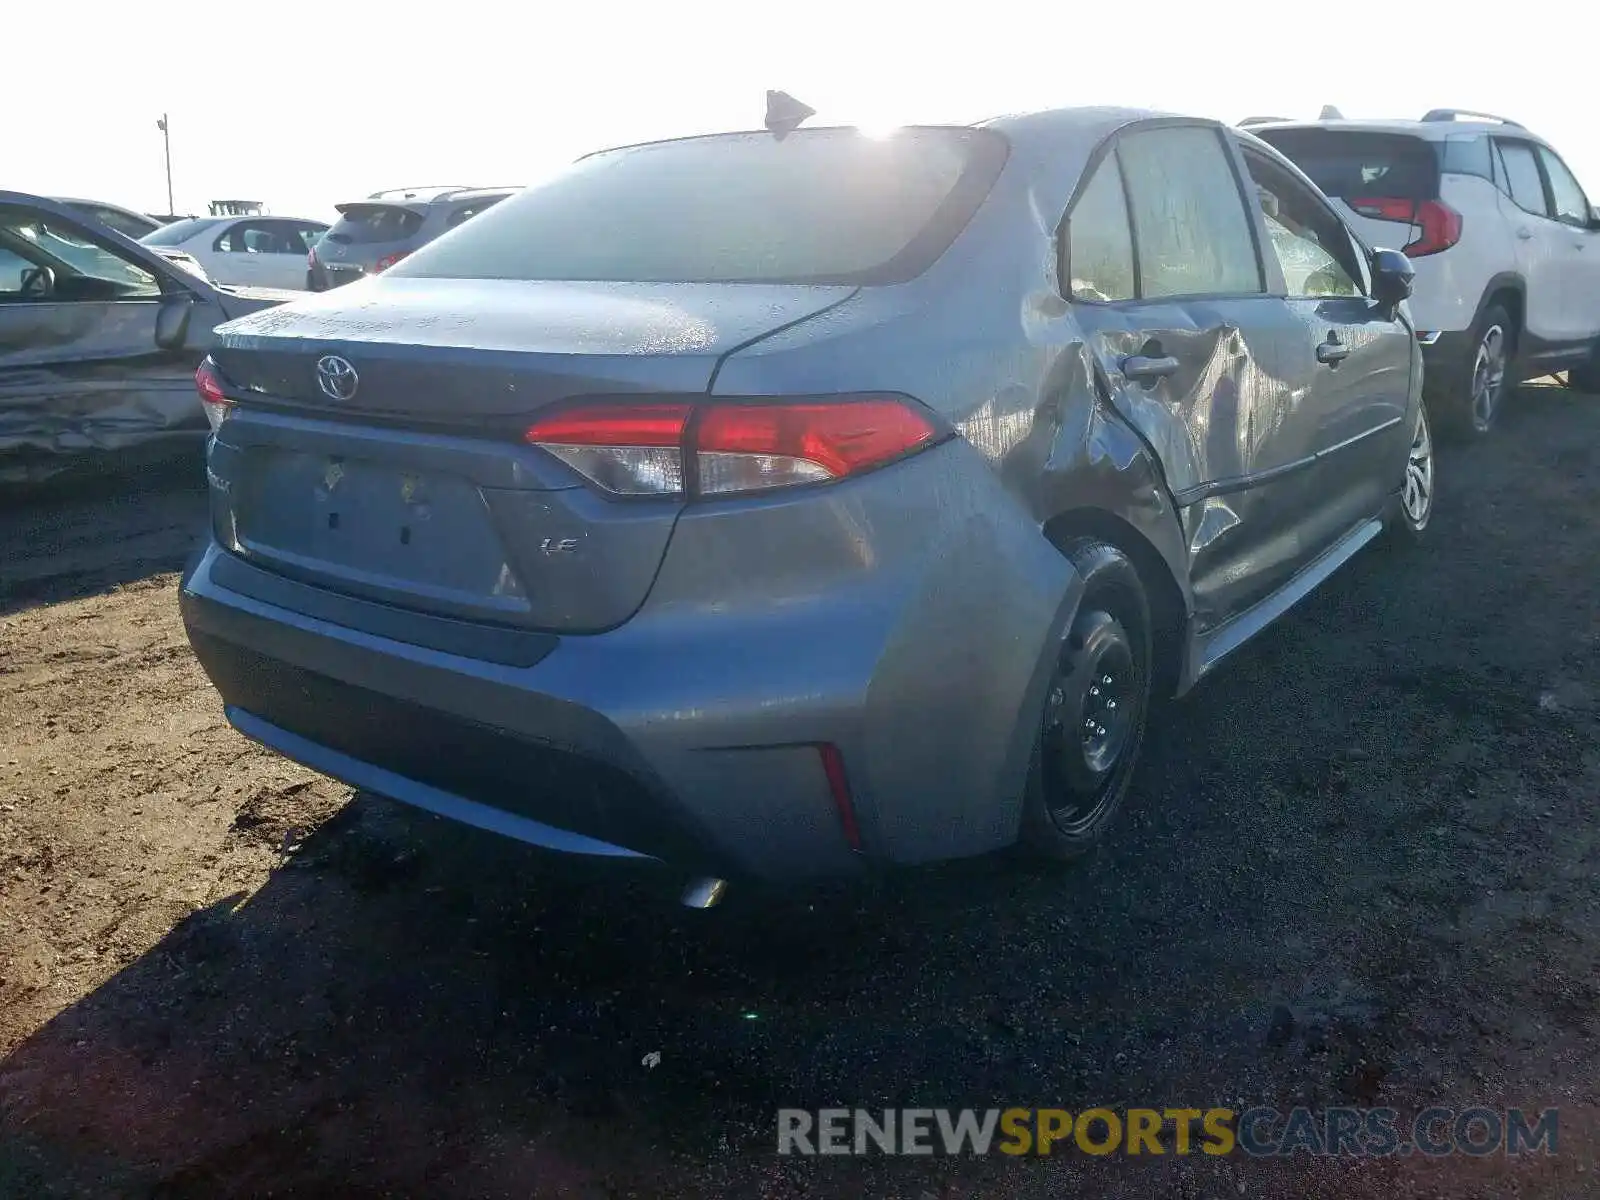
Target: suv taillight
1440, 225
389, 260
726, 447
209, 384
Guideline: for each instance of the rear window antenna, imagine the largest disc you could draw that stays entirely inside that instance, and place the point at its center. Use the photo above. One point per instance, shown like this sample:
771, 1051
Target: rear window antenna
785, 114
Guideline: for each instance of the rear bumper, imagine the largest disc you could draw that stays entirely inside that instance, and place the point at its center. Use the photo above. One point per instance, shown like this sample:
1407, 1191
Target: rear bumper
691, 733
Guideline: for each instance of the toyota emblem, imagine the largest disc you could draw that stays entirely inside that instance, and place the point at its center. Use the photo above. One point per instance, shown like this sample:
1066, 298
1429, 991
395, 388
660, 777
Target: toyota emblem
336, 377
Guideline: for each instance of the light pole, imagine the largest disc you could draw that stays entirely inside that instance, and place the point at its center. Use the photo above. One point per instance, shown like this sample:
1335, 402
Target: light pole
166, 136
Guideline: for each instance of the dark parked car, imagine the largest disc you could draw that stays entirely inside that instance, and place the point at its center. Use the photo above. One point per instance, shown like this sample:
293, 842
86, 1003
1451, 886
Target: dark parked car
372, 235
99, 339
784, 506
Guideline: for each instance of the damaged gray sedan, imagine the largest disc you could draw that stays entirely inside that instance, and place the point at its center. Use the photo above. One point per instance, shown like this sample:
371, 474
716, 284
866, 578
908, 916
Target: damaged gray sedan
781, 506
99, 339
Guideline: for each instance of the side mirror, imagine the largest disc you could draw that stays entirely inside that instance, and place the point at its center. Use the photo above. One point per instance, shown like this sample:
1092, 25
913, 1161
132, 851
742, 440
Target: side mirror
1594, 217
38, 281
172, 322
1392, 277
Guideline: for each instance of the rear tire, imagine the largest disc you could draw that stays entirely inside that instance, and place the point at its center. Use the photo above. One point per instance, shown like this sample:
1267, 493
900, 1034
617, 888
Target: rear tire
1468, 404
1095, 707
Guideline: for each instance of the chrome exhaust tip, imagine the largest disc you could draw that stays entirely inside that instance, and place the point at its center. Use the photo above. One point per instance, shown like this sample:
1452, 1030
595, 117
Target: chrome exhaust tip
704, 893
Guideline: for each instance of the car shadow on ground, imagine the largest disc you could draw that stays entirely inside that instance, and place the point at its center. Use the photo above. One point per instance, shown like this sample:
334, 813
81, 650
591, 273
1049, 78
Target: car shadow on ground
92, 531
410, 1008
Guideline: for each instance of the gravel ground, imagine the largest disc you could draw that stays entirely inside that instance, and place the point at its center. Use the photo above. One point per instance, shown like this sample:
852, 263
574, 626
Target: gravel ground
1358, 868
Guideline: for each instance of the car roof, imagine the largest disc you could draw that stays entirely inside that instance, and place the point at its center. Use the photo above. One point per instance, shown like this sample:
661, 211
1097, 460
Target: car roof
1436, 130
121, 208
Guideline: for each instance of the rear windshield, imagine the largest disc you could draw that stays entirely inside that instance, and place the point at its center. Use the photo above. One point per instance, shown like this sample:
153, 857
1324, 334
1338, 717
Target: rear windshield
1350, 163
178, 232
365, 224
819, 206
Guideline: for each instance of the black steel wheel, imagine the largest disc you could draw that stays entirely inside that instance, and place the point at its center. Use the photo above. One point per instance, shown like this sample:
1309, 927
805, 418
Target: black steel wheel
1096, 703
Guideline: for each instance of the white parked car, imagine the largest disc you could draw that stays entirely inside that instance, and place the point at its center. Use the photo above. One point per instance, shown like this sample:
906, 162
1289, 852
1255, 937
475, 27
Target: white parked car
250, 251
1505, 245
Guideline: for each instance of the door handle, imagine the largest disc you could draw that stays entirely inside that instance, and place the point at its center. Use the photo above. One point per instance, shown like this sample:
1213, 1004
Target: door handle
1142, 366
1525, 233
1333, 351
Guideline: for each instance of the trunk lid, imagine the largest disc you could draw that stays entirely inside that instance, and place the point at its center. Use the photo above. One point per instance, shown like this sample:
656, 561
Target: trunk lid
464, 354
415, 488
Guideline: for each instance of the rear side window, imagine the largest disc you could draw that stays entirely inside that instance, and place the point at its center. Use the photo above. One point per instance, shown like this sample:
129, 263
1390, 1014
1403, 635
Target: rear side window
1523, 182
1191, 231
819, 206
1355, 165
368, 224
1100, 241
1466, 155
465, 212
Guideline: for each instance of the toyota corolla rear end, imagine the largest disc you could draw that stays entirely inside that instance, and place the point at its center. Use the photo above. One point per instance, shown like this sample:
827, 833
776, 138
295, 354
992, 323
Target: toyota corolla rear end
643, 545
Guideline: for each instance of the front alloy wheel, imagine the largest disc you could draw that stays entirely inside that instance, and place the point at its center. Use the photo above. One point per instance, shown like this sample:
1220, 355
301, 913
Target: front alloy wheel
1416, 496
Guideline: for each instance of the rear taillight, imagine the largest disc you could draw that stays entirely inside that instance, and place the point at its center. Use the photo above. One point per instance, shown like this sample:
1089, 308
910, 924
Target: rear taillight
311, 257
1441, 229
726, 447
389, 260
1438, 223
209, 384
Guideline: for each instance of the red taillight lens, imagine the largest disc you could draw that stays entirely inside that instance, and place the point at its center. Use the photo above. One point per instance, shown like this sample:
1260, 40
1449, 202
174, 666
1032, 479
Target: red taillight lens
389, 260
1439, 225
209, 384
731, 446
1441, 229
839, 789
1385, 209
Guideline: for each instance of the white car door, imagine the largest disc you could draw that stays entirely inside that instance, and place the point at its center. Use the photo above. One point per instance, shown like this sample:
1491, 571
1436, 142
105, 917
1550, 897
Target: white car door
1540, 241
232, 255
1579, 244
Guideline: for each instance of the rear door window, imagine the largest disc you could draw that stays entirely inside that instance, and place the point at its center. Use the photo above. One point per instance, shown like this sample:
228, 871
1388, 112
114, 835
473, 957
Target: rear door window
372, 224
1572, 206
1522, 180
1192, 233
261, 237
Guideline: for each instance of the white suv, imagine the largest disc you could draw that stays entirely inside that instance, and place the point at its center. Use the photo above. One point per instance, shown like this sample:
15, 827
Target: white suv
1504, 241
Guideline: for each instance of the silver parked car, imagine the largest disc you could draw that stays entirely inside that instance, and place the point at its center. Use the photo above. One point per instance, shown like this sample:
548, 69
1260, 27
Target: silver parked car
781, 505
372, 235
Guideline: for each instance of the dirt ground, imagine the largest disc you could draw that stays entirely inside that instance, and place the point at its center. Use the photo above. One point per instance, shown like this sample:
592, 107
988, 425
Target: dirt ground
1359, 867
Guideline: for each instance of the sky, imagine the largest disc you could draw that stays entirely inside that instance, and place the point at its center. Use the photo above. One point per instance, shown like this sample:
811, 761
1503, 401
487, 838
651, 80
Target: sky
303, 105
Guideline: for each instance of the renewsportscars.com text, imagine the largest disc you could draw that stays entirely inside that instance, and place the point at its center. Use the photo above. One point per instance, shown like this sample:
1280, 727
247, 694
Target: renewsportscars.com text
1258, 1132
